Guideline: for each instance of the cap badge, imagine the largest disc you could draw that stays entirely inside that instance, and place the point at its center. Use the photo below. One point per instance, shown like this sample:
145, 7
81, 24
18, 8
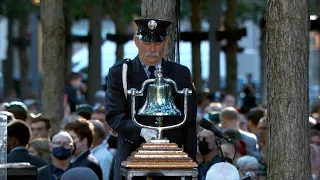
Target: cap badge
152, 24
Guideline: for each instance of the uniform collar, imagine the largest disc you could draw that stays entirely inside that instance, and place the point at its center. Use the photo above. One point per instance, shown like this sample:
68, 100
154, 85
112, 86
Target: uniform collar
80, 157
18, 148
145, 66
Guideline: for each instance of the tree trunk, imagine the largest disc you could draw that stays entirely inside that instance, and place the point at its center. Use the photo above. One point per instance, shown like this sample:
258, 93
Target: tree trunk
196, 53
8, 68
231, 49
263, 64
94, 67
288, 102
24, 60
68, 51
52, 81
214, 21
166, 10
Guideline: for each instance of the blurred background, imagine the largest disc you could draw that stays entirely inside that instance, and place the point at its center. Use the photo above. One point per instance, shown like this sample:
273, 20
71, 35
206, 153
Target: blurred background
213, 71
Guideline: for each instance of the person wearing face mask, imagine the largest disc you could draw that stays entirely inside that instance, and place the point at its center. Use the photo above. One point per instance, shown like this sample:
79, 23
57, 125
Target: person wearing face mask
82, 133
209, 152
61, 153
71, 90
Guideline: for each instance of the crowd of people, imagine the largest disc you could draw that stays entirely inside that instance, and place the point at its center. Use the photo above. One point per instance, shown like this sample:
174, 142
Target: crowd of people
81, 142
249, 134
87, 140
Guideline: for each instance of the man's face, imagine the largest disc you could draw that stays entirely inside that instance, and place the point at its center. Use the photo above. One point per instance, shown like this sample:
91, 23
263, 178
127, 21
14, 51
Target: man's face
230, 123
315, 140
32, 109
229, 101
206, 135
150, 52
61, 140
39, 130
102, 118
76, 82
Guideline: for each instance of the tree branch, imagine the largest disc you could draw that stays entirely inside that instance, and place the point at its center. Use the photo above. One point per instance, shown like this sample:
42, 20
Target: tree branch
111, 11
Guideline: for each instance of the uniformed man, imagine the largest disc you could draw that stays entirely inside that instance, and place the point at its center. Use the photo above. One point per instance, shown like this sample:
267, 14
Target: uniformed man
151, 39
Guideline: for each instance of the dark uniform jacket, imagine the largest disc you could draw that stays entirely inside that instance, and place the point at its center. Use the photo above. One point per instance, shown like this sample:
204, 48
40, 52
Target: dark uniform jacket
50, 172
118, 109
87, 160
22, 155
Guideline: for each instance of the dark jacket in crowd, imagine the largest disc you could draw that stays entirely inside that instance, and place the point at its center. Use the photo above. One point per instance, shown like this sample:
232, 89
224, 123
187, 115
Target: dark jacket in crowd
22, 155
87, 160
50, 172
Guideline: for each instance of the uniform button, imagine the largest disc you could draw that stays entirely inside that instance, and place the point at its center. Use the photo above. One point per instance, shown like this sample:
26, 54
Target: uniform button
156, 123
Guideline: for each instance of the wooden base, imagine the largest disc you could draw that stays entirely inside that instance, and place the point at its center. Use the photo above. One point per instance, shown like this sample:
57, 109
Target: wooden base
159, 156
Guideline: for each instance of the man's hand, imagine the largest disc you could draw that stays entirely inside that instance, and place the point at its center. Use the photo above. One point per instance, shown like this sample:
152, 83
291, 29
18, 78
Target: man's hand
148, 134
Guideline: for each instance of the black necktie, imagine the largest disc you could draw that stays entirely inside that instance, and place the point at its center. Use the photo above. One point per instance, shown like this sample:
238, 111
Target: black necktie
151, 70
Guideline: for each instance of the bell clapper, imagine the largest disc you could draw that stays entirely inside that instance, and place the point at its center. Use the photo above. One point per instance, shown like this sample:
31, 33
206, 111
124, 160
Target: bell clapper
159, 119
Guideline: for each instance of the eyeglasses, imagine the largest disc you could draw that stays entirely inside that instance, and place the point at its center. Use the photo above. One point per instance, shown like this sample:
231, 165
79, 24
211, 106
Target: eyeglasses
65, 145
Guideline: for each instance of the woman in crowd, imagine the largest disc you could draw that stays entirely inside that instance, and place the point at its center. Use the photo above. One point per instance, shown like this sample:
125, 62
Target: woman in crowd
40, 147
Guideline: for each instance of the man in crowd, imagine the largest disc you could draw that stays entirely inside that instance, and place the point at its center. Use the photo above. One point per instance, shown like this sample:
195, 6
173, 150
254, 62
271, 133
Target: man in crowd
99, 149
230, 119
72, 90
254, 115
40, 126
19, 134
61, 149
18, 109
315, 137
82, 133
208, 150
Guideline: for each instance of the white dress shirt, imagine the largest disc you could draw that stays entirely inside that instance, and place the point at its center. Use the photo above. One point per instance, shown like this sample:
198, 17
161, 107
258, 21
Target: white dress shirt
104, 158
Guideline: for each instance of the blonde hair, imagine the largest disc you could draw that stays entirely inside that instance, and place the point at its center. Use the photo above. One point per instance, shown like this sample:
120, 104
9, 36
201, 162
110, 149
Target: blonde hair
41, 145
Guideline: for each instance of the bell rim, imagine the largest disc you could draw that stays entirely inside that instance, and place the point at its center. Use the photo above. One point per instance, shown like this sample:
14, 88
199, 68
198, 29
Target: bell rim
159, 114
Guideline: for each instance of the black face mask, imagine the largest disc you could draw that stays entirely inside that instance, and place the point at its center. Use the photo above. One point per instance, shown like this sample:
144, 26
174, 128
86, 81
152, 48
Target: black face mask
203, 147
61, 152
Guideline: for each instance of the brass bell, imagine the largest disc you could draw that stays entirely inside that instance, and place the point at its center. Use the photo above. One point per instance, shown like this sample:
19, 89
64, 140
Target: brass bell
159, 102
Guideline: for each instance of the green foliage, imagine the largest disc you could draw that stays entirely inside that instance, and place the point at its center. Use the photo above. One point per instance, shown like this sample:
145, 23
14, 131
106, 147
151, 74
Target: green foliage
251, 10
185, 9
76, 8
245, 9
123, 9
16, 8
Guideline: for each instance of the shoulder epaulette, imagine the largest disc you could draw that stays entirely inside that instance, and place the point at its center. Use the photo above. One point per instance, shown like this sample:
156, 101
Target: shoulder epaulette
169, 60
119, 63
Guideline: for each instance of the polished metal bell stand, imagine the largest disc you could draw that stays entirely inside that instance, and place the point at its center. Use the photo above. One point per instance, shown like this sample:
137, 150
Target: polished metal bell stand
159, 157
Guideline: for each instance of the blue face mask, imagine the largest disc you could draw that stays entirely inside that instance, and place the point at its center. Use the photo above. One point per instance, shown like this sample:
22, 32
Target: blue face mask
61, 153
